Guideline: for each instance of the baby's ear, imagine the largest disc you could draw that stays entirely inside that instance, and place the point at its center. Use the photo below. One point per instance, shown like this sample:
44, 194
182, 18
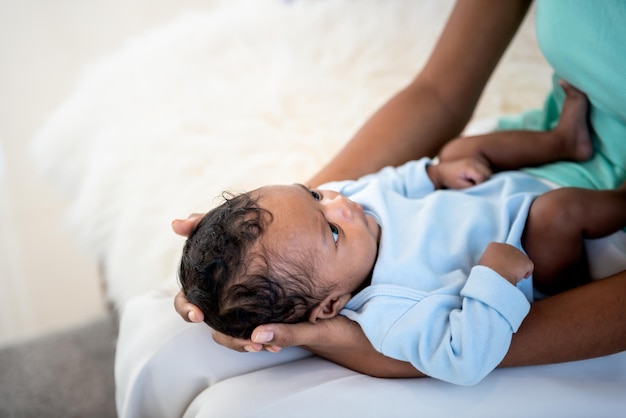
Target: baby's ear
329, 307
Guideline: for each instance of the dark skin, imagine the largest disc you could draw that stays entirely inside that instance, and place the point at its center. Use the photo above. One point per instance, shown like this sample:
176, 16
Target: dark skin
585, 322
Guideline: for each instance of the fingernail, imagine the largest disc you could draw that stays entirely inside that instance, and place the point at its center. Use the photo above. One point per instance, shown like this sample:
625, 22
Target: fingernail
253, 348
263, 337
192, 316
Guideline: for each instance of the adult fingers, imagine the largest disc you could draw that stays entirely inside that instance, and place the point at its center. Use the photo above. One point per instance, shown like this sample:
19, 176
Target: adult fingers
188, 311
237, 344
276, 336
183, 227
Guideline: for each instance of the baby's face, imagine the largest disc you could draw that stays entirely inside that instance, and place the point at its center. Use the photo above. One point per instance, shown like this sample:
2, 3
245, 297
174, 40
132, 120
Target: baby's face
340, 238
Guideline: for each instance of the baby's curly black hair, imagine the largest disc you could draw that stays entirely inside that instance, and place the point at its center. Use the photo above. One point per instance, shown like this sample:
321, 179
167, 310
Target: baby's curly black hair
238, 282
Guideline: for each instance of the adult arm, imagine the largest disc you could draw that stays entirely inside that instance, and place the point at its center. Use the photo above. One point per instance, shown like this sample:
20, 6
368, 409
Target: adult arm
416, 122
556, 330
438, 103
561, 328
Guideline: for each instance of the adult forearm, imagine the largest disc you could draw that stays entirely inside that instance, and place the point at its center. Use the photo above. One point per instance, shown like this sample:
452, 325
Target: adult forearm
564, 328
348, 346
435, 107
412, 124
557, 329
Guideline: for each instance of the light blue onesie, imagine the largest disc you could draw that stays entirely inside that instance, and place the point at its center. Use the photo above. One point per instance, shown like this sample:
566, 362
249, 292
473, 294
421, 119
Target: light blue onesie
429, 302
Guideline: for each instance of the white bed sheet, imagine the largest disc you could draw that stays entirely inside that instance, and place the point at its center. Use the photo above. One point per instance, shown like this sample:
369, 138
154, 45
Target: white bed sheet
194, 377
314, 387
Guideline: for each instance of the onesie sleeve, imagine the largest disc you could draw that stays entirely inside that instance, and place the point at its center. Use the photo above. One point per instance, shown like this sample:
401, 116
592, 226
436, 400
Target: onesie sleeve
410, 179
459, 341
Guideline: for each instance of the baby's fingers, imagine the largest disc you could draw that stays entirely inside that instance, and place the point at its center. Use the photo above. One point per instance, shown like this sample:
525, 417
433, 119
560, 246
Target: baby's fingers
478, 173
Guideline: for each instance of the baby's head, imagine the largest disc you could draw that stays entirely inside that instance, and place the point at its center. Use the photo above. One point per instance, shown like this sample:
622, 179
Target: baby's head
277, 254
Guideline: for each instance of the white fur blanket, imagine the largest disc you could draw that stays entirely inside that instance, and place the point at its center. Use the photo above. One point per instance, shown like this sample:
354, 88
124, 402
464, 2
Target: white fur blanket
255, 92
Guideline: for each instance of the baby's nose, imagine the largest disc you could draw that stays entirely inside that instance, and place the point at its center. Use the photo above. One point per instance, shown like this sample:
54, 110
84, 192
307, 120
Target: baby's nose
341, 206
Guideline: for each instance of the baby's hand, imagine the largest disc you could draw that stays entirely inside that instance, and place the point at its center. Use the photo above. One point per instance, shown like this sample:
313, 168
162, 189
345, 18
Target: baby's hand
507, 261
459, 174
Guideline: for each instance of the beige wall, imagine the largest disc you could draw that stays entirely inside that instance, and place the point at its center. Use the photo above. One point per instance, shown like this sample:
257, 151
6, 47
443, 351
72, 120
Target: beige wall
46, 281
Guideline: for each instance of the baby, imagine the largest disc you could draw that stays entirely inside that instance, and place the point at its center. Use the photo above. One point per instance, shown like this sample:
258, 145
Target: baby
434, 276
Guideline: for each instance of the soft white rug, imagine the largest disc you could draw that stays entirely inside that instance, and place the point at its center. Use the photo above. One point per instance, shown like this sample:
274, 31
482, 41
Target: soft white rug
257, 92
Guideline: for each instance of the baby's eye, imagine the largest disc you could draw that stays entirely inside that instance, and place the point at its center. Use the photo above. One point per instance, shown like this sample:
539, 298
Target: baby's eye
315, 194
335, 232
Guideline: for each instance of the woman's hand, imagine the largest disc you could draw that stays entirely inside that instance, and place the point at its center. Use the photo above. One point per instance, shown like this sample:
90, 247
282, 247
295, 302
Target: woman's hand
273, 337
183, 227
191, 313
188, 311
339, 340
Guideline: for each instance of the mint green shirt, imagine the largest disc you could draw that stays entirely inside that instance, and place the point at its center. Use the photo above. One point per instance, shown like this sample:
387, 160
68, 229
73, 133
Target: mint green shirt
585, 42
